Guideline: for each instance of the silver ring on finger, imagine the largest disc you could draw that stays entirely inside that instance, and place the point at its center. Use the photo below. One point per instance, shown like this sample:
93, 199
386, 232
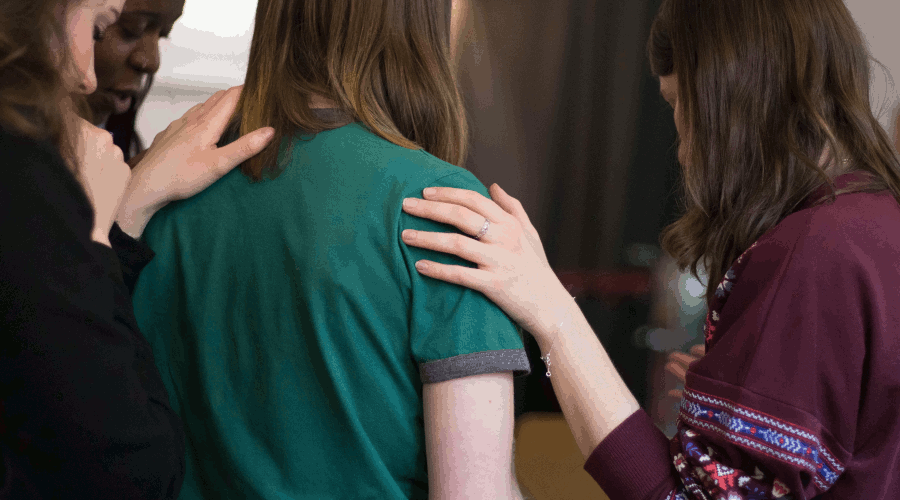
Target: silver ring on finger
484, 230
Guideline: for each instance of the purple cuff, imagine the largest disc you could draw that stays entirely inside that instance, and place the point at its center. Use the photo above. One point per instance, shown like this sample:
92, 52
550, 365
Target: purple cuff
634, 462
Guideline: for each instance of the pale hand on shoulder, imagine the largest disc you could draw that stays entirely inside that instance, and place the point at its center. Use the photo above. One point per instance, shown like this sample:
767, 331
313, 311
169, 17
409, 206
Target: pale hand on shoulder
184, 160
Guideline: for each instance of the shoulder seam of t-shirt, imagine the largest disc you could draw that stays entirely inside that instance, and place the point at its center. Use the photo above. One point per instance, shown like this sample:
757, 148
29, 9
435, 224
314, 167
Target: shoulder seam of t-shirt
463, 172
476, 363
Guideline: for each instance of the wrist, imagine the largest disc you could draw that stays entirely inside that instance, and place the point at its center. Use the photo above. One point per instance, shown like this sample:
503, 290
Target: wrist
134, 214
561, 315
138, 207
100, 237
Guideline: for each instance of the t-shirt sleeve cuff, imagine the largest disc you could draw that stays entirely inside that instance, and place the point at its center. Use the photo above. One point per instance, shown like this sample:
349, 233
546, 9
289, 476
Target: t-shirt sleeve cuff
476, 363
634, 461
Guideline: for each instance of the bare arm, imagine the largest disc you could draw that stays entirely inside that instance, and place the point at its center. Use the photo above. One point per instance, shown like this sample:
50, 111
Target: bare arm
469, 438
593, 397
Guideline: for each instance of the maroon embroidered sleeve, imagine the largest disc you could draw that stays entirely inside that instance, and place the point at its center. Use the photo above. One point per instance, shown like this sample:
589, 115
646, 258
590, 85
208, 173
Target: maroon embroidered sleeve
795, 396
633, 462
770, 411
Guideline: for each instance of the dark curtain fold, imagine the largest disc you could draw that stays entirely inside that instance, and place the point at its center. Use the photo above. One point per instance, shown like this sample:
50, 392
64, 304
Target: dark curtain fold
566, 116
558, 94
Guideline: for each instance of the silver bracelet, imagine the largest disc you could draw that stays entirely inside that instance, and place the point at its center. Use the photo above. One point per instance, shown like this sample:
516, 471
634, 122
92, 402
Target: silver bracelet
546, 358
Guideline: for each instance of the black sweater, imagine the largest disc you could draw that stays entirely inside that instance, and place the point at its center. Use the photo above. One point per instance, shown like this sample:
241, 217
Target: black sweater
83, 411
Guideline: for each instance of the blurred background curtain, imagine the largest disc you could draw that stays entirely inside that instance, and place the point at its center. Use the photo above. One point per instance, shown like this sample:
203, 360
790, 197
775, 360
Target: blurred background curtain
566, 116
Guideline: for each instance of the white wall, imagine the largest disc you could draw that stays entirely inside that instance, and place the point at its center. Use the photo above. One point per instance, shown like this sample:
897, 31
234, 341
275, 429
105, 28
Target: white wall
207, 50
880, 22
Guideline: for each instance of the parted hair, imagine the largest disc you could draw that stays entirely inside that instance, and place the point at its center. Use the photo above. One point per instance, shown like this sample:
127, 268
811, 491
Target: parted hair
32, 53
385, 63
767, 88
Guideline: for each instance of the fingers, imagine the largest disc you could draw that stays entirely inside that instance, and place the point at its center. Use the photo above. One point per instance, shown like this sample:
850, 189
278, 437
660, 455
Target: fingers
205, 106
459, 216
677, 369
680, 357
452, 243
244, 148
220, 111
676, 393
509, 204
679, 362
468, 277
200, 111
466, 198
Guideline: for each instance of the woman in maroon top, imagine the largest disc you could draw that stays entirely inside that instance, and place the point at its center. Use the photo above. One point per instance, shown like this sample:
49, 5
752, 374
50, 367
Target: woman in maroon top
791, 208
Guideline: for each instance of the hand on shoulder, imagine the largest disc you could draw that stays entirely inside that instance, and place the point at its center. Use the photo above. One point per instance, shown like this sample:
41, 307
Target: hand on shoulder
184, 160
512, 267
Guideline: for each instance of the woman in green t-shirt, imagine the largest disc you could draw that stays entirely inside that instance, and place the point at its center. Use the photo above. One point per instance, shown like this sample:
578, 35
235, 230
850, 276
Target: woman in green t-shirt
304, 353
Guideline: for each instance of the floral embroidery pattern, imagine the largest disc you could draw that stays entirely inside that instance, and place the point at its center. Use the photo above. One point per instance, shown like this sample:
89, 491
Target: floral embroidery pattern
726, 284
705, 478
721, 296
703, 475
676, 495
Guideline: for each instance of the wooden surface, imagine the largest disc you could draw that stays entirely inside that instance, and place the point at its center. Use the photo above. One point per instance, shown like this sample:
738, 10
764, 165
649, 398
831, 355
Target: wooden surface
548, 463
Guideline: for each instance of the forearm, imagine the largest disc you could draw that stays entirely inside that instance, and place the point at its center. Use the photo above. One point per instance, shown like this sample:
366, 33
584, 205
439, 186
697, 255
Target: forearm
592, 395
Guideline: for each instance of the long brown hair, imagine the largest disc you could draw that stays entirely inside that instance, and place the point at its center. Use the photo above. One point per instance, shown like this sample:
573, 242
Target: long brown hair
31, 85
766, 88
386, 63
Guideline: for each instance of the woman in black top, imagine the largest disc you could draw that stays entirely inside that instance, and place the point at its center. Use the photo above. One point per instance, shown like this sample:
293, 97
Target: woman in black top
83, 412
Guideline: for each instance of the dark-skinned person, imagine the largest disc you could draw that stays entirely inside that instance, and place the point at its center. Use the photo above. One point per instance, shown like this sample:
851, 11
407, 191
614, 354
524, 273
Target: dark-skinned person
791, 194
83, 411
125, 60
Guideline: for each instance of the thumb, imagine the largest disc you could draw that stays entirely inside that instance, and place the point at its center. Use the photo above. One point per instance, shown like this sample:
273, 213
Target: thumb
245, 148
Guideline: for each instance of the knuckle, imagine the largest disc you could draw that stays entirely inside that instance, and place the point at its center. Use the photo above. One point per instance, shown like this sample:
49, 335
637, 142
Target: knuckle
247, 150
458, 242
117, 154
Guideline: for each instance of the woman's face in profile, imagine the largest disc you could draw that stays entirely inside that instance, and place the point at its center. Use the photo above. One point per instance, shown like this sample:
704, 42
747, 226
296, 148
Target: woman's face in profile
85, 22
668, 87
129, 53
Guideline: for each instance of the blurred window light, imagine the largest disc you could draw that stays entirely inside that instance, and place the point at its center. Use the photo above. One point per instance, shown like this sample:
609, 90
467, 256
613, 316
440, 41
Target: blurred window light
231, 19
642, 255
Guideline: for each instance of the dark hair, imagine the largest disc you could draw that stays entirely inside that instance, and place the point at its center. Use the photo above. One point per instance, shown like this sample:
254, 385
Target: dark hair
31, 85
123, 127
766, 88
386, 63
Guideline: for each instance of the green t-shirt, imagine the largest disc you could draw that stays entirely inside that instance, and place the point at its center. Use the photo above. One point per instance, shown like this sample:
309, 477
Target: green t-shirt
293, 332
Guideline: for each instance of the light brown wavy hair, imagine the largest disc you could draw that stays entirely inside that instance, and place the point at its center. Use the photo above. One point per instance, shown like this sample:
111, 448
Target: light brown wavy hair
32, 51
766, 88
385, 63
